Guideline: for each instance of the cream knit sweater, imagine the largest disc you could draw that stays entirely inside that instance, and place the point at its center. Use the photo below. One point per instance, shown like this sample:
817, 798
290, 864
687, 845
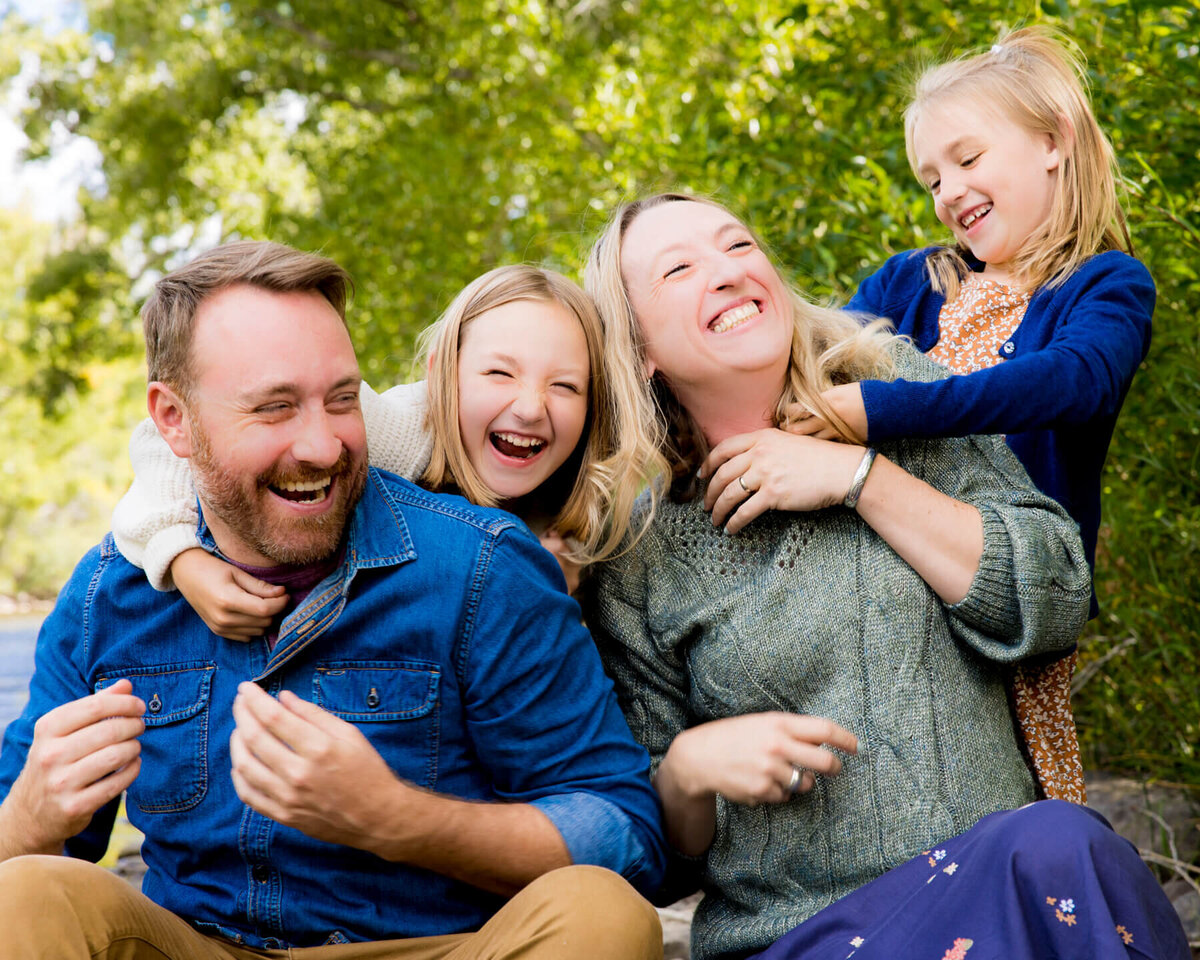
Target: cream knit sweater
156, 519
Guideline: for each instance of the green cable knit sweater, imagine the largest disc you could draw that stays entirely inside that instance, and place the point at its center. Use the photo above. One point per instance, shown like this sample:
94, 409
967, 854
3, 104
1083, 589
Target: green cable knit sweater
814, 613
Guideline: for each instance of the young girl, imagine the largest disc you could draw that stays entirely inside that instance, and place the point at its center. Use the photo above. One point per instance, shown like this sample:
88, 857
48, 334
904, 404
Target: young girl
1035, 305
516, 413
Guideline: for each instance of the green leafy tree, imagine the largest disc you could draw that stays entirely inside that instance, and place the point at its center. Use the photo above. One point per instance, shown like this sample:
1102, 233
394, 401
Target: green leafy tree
420, 143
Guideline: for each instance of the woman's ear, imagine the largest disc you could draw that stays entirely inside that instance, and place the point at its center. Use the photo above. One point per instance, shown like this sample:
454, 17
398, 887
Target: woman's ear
432, 357
650, 369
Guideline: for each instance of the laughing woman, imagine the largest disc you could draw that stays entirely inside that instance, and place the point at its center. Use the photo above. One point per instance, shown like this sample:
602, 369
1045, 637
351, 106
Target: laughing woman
812, 638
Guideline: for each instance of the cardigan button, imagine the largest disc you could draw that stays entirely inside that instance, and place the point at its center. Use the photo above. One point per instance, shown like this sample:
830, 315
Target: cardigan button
1008, 348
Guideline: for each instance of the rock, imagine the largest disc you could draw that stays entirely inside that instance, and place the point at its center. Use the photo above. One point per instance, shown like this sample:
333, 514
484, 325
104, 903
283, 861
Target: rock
677, 927
1161, 820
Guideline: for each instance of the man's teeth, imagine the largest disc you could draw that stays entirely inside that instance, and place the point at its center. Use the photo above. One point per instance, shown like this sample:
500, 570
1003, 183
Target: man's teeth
519, 441
735, 317
305, 491
975, 214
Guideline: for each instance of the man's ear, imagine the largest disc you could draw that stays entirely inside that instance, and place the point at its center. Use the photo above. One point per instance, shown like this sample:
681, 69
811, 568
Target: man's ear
170, 415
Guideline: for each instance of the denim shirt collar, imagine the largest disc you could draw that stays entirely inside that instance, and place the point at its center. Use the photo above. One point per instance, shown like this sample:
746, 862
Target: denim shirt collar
377, 536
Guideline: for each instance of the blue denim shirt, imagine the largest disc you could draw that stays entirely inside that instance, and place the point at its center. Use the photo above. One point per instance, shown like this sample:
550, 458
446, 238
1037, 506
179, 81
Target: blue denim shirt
445, 636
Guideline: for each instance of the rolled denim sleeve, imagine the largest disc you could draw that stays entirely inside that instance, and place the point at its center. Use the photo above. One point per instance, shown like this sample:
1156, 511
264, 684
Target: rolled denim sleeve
544, 719
58, 679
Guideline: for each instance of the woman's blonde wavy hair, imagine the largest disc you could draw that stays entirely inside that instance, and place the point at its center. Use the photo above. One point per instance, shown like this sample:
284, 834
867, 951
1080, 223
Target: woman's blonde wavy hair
590, 497
1038, 78
828, 347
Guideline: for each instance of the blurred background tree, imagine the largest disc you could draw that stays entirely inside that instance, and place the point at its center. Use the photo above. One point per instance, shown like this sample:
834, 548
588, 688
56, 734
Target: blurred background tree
421, 142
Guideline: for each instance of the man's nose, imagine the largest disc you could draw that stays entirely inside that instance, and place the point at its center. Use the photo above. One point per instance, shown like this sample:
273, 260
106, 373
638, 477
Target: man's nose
316, 442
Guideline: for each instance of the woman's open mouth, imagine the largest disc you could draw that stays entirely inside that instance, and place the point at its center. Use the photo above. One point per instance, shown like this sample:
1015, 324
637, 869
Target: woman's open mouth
734, 317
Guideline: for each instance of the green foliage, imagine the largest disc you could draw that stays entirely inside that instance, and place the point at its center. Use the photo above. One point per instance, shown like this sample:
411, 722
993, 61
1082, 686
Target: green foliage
421, 142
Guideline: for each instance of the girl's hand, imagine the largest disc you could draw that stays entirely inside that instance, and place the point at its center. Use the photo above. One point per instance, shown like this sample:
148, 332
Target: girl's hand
553, 541
847, 402
232, 603
750, 759
773, 470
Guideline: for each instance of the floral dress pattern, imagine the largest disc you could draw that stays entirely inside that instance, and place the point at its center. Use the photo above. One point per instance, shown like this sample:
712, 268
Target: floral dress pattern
1048, 880
972, 332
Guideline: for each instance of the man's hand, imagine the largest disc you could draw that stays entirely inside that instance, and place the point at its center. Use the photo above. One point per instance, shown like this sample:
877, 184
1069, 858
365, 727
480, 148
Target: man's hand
303, 767
84, 753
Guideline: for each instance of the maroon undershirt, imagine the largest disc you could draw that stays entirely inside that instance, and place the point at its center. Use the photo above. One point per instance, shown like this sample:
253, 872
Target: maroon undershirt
298, 579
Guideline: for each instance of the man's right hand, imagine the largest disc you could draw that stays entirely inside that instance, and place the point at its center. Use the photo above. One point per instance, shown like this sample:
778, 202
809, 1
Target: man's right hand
84, 753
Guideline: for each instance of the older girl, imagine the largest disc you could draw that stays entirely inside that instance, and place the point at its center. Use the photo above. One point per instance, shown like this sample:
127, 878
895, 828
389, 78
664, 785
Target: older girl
516, 413
812, 637
1038, 306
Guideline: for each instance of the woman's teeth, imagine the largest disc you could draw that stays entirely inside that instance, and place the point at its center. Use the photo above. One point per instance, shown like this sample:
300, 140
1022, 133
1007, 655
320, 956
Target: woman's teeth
735, 317
975, 214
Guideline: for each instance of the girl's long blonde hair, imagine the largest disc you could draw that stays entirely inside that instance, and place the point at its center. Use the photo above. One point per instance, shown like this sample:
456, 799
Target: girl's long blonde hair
1038, 79
590, 497
828, 347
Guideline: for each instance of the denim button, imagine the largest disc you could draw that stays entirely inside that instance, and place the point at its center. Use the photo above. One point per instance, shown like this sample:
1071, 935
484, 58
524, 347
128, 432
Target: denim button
373, 698
1009, 347
261, 874
271, 943
155, 704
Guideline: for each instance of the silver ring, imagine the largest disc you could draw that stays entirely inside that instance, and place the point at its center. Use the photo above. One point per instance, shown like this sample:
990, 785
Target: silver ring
742, 484
794, 782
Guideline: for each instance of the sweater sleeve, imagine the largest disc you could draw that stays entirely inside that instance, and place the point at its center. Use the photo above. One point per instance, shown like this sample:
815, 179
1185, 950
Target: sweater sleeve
1032, 590
156, 519
397, 439
1082, 373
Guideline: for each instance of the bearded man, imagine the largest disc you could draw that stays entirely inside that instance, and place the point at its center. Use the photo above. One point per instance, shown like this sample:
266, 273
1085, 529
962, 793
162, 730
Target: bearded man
420, 762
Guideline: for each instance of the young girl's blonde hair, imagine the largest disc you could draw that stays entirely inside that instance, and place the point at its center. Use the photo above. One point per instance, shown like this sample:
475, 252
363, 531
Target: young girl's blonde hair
1037, 77
828, 347
590, 498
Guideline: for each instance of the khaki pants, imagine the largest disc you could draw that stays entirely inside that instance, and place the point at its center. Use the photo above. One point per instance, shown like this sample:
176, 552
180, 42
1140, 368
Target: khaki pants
58, 908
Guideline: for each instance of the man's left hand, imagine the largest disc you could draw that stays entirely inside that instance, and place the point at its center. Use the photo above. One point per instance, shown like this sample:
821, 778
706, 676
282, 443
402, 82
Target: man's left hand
303, 767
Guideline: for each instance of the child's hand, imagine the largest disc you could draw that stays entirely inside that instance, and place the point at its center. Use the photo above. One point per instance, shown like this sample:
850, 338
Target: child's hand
847, 402
232, 603
553, 541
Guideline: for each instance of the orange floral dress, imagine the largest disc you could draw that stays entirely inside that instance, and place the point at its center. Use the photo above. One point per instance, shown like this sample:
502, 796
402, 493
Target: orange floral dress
973, 330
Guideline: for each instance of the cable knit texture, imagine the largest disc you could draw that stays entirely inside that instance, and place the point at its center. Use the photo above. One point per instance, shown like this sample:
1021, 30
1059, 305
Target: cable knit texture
156, 519
814, 613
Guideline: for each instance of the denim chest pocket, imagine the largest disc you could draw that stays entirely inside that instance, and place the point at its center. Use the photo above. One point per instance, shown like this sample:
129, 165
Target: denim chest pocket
394, 703
174, 773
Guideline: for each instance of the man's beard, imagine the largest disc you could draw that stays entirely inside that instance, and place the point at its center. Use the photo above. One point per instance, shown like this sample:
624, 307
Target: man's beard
239, 503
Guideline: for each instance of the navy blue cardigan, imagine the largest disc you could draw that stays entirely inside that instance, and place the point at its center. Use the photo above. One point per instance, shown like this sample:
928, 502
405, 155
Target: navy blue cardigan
1057, 394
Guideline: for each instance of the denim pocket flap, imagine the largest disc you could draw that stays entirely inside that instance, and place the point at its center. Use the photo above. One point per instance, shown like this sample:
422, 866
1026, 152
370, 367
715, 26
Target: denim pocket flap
171, 692
367, 690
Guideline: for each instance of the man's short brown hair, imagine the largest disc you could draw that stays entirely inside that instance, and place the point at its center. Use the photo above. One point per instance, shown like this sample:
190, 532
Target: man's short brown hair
169, 314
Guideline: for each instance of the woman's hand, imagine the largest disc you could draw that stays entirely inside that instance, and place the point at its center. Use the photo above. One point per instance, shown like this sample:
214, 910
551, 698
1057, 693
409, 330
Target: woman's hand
773, 470
553, 541
748, 760
847, 402
230, 601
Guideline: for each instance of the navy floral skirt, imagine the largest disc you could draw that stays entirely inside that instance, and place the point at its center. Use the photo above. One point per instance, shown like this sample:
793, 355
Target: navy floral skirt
1051, 880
